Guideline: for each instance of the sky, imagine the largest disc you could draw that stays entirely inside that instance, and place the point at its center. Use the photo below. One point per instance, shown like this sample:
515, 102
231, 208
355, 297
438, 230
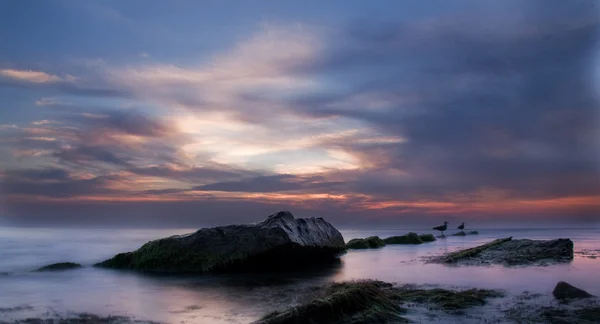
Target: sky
368, 113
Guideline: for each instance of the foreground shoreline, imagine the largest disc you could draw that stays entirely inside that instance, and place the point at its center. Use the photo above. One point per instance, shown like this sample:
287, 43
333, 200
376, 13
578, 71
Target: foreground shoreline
373, 301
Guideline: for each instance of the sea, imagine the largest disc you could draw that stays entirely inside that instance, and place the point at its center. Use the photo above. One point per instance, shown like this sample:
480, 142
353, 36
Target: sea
239, 298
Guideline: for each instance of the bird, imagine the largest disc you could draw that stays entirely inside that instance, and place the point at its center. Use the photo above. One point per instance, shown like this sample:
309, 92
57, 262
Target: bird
441, 228
462, 226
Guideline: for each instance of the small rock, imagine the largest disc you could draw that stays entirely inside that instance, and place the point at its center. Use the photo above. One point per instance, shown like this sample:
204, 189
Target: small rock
370, 242
565, 291
461, 233
410, 238
473, 233
60, 266
427, 237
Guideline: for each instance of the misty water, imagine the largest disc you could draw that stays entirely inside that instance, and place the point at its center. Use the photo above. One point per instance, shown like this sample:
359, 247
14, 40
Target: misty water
244, 298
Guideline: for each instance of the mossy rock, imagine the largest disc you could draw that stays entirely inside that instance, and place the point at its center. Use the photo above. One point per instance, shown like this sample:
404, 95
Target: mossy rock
471, 252
513, 252
280, 242
410, 238
447, 299
371, 242
427, 238
60, 266
373, 301
345, 303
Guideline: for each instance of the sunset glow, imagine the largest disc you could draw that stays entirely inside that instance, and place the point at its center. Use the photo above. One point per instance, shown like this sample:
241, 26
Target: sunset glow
427, 113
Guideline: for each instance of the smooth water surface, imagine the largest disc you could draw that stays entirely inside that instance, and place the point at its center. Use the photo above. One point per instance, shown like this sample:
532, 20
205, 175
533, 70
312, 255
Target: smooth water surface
243, 298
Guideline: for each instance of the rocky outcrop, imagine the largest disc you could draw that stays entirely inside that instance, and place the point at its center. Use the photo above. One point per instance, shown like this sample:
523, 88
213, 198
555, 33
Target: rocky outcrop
344, 303
513, 252
565, 291
60, 266
277, 243
373, 301
410, 238
371, 242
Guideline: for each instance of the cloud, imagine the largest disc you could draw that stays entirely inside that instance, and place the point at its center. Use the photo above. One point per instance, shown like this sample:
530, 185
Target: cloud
101, 140
43, 122
8, 127
272, 183
32, 76
51, 182
47, 102
478, 112
260, 63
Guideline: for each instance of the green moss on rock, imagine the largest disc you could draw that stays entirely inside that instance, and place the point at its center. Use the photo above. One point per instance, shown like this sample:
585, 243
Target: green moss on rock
410, 238
427, 237
345, 303
375, 302
467, 253
447, 299
370, 242
280, 241
168, 256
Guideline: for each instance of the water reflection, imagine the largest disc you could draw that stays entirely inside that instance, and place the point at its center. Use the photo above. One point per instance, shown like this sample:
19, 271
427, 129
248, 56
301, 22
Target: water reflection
237, 298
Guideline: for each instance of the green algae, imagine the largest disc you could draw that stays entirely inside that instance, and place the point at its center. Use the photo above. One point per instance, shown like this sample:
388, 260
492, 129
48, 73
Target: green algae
370, 242
446, 299
373, 301
345, 303
410, 238
467, 253
166, 256
427, 238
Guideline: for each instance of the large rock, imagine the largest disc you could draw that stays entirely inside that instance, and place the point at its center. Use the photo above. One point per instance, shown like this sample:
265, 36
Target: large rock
513, 252
277, 243
565, 291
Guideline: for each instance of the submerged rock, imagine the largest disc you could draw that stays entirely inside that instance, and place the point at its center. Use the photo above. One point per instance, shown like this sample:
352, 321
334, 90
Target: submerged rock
472, 233
410, 238
376, 302
565, 291
427, 237
277, 243
513, 252
60, 266
371, 242
344, 303
461, 233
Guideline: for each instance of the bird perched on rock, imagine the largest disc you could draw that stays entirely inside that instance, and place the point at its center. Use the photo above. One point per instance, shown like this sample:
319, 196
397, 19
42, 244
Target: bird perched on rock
462, 226
441, 228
